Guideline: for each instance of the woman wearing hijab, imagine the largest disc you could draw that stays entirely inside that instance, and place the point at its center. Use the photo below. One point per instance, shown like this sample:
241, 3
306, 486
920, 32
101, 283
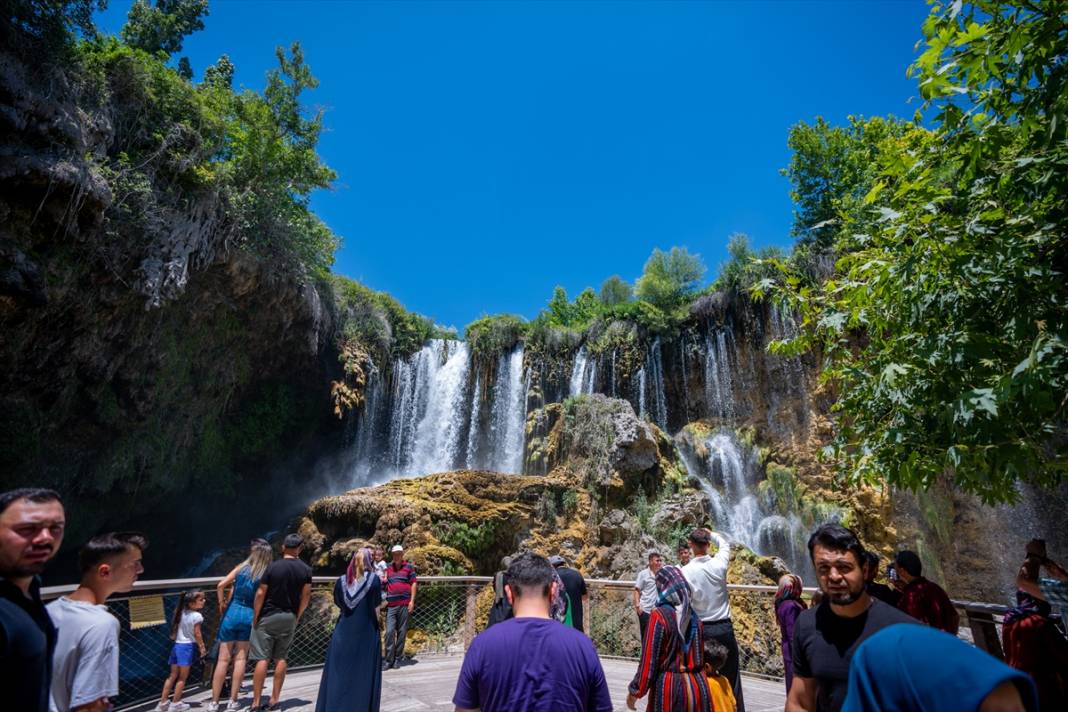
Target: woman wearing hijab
910, 668
352, 675
672, 666
788, 606
1034, 645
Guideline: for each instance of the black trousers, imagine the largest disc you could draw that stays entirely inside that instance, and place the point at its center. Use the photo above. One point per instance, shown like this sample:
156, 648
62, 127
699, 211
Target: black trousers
643, 622
723, 631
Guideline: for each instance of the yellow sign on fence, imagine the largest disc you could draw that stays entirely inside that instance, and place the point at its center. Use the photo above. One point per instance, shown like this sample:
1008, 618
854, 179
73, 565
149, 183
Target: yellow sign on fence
146, 611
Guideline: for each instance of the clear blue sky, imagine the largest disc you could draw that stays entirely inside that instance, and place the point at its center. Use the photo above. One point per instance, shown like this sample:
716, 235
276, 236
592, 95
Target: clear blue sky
488, 151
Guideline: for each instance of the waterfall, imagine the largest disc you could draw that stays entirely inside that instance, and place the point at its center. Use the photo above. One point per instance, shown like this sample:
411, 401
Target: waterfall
508, 415
436, 443
729, 476
583, 374
719, 382
659, 398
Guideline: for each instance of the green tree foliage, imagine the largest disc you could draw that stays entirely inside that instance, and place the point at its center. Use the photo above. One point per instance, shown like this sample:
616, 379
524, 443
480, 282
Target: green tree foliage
494, 335
670, 277
378, 322
615, 291
46, 25
946, 324
164, 26
747, 266
831, 170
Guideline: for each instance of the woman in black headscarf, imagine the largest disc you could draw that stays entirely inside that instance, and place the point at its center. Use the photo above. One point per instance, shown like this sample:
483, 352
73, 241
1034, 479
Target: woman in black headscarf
352, 675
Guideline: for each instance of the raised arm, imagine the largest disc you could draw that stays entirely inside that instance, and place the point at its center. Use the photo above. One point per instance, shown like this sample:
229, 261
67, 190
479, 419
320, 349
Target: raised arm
723, 553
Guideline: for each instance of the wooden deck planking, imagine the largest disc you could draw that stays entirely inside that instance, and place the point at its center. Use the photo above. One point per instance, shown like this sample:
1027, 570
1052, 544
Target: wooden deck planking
428, 684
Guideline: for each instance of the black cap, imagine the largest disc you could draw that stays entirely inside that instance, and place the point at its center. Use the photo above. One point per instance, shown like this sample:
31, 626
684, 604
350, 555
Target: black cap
293, 541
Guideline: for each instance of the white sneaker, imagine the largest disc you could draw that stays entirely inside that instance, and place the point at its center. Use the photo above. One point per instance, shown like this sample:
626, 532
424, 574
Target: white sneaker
233, 706
179, 707
212, 707
163, 707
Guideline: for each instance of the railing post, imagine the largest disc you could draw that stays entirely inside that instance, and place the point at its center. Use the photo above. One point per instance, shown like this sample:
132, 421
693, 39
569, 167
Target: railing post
984, 633
469, 617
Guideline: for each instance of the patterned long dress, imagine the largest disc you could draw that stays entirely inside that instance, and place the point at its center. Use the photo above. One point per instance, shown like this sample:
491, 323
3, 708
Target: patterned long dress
674, 680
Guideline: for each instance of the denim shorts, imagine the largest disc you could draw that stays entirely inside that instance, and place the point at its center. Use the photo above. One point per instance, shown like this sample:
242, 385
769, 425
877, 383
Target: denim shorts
183, 654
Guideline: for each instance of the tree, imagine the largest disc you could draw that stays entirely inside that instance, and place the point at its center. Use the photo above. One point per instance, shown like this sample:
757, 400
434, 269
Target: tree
46, 24
946, 325
831, 169
615, 291
220, 74
164, 27
670, 277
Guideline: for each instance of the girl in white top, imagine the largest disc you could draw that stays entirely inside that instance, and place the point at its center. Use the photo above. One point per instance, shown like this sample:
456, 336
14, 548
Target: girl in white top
185, 630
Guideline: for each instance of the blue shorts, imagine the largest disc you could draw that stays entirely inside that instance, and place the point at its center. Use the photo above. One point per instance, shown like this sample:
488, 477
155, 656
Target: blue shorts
183, 654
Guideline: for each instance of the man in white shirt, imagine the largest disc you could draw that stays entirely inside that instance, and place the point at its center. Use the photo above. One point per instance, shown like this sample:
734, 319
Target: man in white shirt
707, 576
645, 594
86, 660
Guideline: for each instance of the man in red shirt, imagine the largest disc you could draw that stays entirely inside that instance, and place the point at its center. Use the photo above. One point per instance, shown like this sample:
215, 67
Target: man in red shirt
924, 600
400, 600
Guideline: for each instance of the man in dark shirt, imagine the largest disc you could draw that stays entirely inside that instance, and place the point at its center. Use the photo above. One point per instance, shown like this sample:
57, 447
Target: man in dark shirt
826, 636
879, 590
281, 599
924, 600
531, 662
575, 586
31, 530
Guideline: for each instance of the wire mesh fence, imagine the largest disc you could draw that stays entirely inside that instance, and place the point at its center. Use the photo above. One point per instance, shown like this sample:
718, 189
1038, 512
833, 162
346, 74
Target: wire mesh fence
449, 612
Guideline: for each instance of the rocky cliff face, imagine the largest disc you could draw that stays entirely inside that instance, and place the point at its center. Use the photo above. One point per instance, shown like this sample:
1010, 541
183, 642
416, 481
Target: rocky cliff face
141, 359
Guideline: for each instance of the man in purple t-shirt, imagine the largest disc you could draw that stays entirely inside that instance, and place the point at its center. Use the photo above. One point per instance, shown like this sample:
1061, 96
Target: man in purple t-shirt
531, 663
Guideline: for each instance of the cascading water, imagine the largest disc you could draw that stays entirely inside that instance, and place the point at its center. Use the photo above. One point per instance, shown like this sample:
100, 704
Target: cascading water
729, 476
508, 414
719, 364
656, 363
583, 374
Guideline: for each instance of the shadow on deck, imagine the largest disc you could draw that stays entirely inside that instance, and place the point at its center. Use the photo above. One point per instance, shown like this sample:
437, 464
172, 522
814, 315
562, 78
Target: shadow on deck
428, 684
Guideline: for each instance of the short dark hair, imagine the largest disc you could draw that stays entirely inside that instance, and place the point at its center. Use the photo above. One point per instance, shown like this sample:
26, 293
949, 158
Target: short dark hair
37, 495
106, 546
835, 536
910, 561
683, 544
653, 554
293, 541
530, 574
872, 559
715, 653
701, 536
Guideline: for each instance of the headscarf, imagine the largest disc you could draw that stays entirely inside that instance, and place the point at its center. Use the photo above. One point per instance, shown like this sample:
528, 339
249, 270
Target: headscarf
1027, 605
790, 589
675, 591
914, 667
356, 587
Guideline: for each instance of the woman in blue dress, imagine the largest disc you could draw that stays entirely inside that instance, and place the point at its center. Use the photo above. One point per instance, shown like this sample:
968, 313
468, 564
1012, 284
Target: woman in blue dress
236, 626
352, 675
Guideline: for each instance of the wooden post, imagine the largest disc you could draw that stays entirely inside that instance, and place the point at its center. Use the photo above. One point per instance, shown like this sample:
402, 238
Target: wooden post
469, 618
984, 633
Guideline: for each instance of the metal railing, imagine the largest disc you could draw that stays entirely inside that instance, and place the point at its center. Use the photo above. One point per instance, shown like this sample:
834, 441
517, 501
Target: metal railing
449, 612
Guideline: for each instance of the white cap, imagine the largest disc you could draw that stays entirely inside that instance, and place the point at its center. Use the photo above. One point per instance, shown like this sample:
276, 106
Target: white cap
396, 548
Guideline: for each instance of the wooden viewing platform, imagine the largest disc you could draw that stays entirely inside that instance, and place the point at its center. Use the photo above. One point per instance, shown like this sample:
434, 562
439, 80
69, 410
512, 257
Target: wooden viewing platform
428, 685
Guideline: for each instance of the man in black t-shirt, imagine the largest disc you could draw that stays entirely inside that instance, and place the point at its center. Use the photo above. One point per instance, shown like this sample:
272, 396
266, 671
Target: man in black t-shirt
879, 590
282, 597
575, 586
31, 529
826, 635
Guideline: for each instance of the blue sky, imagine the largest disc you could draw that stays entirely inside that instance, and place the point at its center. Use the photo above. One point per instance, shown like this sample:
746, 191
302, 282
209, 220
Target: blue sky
488, 151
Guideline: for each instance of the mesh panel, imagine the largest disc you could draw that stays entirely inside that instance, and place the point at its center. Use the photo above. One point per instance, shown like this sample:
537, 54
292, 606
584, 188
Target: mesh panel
449, 612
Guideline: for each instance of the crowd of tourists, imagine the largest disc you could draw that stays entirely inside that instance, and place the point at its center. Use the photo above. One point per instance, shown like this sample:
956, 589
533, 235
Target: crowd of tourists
856, 644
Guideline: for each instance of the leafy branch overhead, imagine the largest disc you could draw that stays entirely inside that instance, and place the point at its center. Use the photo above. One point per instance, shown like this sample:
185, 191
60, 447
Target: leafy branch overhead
945, 322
